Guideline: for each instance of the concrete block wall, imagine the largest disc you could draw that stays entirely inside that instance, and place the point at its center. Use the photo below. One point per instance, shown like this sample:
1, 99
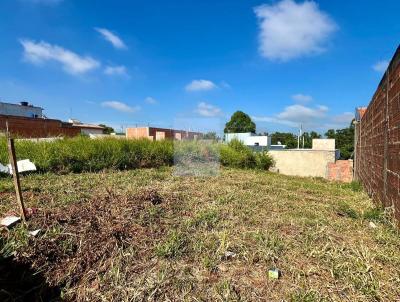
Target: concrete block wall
377, 141
303, 162
323, 144
154, 133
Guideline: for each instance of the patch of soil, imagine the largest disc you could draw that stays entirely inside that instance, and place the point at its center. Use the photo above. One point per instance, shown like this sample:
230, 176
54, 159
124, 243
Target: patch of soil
78, 242
152, 196
18, 282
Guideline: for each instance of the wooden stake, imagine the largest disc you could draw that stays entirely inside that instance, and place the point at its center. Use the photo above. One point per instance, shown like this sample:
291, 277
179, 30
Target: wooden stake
17, 185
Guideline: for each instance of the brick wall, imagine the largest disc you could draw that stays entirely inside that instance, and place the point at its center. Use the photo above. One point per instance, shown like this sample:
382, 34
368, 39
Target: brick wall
377, 141
341, 170
36, 127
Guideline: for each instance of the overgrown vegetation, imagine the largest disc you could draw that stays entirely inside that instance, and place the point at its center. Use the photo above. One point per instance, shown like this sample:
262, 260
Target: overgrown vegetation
81, 154
237, 155
146, 235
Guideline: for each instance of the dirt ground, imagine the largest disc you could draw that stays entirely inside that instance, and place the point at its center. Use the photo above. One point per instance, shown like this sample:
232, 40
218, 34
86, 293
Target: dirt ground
149, 235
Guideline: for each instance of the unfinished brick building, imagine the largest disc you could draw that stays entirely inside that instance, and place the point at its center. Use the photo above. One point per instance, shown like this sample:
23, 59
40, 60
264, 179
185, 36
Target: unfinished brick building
377, 140
154, 133
36, 127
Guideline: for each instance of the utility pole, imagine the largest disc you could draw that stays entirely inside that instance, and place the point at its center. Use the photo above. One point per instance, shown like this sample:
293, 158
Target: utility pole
298, 137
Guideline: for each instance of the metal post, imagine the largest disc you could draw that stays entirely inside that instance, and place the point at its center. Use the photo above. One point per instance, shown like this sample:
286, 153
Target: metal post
298, 139
17, 185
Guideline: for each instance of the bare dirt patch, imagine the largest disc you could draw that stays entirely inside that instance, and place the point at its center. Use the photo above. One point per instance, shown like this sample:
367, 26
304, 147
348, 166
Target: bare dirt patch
80, 240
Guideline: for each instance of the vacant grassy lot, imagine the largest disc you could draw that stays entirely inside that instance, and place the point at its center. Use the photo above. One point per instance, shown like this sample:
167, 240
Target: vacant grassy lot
148, 235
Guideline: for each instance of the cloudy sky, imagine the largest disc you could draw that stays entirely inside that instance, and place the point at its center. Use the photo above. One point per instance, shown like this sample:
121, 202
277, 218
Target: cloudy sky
124, 63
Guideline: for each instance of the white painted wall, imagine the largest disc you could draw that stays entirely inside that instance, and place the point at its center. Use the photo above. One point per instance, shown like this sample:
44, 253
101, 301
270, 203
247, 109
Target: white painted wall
323, 144
239, 136
249, 139
263, 141
89, 131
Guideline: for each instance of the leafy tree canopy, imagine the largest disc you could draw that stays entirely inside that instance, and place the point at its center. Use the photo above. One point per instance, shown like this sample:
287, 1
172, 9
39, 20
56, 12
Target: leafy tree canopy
285, 138
290, 139
240, 122
107, 129
211, 135
344, 140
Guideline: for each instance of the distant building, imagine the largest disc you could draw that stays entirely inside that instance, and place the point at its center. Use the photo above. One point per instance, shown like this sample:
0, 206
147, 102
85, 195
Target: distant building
249, 139
360, 111
27, 127
27, 121
23, 109
154, 133
88, 129
277, 147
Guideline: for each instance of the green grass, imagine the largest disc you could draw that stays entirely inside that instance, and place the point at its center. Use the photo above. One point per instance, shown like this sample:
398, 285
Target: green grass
315, 232
82, 154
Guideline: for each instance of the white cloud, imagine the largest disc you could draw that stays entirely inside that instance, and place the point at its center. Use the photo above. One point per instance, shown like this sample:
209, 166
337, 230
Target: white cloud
119, 106
344, 118
302, 98
198, 85
312, 118
71, 62
150, 100
302, 114
295, 115
116, 70
207, 110
289, 30
380, 66
111, 37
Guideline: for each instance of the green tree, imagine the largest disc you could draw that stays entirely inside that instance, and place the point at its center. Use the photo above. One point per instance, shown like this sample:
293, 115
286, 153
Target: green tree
211, 135
240, 122
308, 137
331, 133
285, 138
344, 140
107, 129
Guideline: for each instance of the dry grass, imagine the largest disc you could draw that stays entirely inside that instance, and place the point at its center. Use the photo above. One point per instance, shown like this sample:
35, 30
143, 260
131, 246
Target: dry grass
161, 237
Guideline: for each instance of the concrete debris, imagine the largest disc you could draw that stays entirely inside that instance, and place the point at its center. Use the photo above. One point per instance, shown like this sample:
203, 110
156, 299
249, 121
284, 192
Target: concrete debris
24, 165
35, 232
372, 225
10, 221
229, 255
274, 273
3, 169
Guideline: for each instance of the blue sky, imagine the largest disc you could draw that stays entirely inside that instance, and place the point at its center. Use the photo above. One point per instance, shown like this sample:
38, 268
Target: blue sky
192, 64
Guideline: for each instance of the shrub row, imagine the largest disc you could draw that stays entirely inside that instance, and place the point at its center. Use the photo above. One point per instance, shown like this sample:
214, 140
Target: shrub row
80, 154
237, 155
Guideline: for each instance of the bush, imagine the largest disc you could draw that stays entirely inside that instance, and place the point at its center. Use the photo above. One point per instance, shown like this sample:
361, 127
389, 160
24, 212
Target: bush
82, 154
235, 154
